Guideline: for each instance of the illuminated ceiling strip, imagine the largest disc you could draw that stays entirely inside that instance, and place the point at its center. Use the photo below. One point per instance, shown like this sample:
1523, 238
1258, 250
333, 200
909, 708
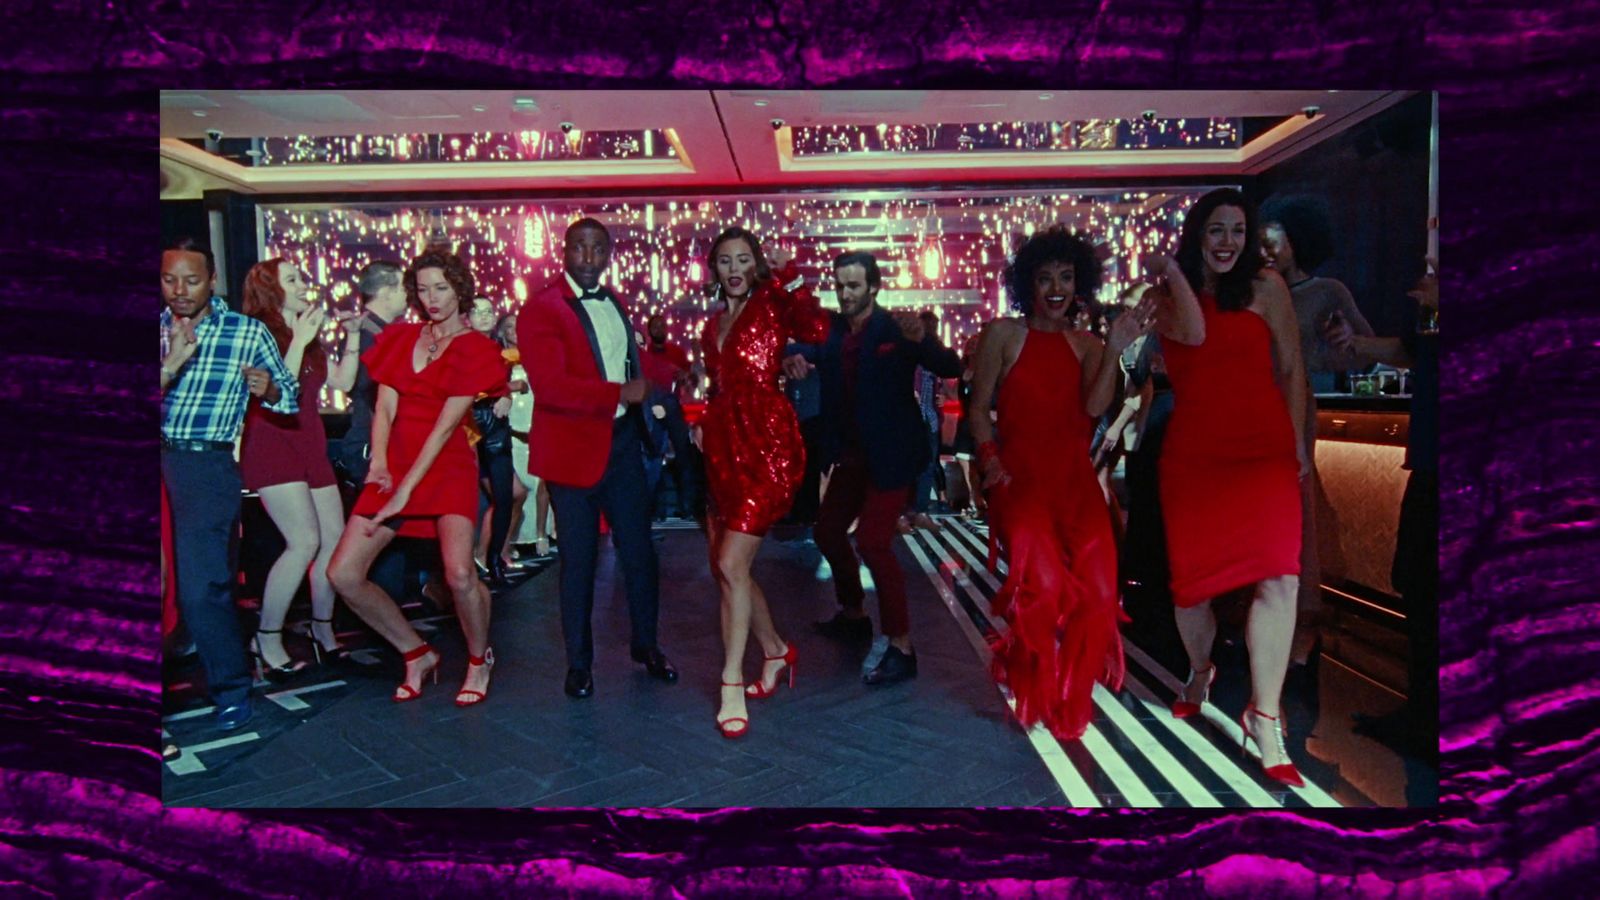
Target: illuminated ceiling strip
1047, 159
376, 173
678, 148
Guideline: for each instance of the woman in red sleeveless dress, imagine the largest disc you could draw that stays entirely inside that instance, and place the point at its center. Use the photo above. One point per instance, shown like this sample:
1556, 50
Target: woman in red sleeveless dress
1060, 598
1233, 456
284, 459
755, 458
423, 481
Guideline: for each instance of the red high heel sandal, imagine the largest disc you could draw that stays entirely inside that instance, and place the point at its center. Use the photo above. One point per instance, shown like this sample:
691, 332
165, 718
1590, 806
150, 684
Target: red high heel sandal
759, 690
1183, 709
405, 691
467, 697
726, 725
1283, 773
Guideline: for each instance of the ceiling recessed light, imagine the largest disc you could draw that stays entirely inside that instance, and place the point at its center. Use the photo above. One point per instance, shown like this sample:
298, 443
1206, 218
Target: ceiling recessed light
479, 107
762, 102
1047, 96
525, 103
199, 113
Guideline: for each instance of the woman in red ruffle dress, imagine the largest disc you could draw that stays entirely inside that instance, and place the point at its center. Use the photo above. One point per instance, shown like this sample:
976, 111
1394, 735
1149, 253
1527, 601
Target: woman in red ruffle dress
423, 480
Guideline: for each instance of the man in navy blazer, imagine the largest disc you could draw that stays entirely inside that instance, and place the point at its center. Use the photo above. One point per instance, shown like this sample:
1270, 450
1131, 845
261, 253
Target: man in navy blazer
873, 436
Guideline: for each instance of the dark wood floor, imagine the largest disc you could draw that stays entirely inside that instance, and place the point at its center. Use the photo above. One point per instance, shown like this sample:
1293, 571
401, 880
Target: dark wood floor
332, 737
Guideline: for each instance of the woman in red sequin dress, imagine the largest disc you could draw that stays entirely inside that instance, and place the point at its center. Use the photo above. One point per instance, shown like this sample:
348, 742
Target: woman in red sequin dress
755, 458
1233, 457
423, 481
1060, 599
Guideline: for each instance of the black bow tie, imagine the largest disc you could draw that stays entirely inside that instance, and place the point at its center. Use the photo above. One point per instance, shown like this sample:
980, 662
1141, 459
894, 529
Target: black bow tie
596, 294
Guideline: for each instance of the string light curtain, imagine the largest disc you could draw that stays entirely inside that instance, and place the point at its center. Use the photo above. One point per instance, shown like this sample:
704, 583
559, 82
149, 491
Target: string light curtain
944, 252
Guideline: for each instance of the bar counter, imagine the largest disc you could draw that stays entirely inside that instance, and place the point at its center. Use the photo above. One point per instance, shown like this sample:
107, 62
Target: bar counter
1361, 446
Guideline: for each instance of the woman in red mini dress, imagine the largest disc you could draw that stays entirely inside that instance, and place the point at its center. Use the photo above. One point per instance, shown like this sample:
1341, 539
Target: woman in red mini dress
423, 480
284, 459
1233, 457
755, 458
1052, 380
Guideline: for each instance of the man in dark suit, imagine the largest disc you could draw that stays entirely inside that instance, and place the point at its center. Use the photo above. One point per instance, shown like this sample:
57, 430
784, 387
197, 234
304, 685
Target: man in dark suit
873, 435
584, 369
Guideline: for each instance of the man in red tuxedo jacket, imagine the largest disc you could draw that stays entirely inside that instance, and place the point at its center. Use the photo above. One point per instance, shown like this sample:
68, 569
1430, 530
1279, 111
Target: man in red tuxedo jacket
584, 369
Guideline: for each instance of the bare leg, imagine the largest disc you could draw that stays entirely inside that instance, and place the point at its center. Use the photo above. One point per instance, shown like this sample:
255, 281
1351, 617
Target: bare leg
735, 551
480, 543
772, 645
290, 507
348, 569
472, 598
1197, 626
541, 519
519, 493
1269, 633
330, 525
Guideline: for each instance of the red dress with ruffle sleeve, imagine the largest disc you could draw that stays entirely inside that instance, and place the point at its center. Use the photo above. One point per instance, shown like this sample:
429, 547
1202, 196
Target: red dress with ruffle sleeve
469, 366
755, 458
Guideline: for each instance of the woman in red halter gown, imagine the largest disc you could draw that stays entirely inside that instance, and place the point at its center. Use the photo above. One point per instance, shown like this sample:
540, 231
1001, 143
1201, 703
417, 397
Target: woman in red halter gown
423, 481
1060, 599
754, 455
1233, 456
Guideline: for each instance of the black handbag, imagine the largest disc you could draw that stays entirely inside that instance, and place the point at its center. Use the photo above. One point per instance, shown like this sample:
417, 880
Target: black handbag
496, 430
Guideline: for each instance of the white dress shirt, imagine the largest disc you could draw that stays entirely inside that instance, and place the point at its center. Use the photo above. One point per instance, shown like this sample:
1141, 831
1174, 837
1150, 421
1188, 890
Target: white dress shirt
611, 332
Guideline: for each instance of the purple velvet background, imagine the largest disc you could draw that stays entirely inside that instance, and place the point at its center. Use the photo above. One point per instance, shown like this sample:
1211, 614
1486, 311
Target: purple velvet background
78, 504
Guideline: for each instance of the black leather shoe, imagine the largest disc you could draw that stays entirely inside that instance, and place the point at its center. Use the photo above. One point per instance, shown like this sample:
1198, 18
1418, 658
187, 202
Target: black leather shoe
580, 683
232, 718
845, 628
656, 664
895, 667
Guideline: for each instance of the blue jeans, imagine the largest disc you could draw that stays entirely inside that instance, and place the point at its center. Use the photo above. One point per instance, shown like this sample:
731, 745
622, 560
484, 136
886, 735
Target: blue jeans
204, 487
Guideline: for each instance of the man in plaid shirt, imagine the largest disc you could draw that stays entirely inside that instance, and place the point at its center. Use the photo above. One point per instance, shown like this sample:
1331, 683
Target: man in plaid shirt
212, 361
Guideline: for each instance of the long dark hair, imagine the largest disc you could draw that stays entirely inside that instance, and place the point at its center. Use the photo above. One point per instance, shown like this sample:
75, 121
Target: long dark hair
1234, 288
763, 270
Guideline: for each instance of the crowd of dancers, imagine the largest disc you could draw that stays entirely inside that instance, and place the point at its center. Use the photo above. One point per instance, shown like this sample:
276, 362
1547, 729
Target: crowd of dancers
1232, 472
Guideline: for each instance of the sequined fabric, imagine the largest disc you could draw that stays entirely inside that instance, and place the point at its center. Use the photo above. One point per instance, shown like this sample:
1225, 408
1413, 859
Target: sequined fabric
750, 436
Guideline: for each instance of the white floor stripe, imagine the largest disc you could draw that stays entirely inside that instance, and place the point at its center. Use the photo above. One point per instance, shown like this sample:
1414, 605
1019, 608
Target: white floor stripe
1229, 727
980, 544
189, 714
975, 565
291, 701
1224, 764
189, 762
958, 574
1077, 790
1133, 789
1117, 769
1176, 773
